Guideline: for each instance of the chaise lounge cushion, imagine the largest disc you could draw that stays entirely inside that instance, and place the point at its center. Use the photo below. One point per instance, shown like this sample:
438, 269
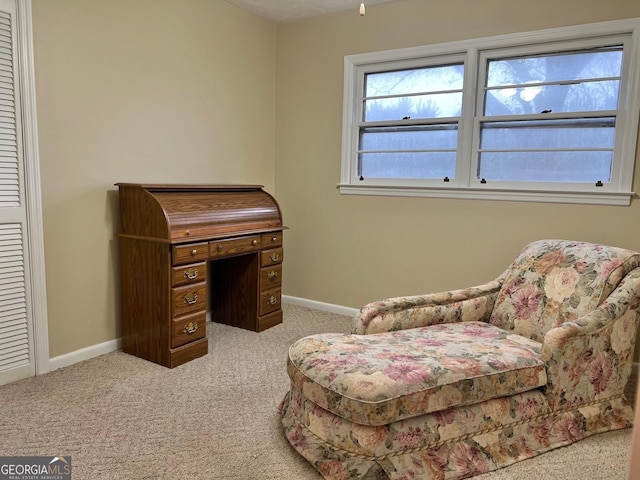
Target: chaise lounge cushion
378, 379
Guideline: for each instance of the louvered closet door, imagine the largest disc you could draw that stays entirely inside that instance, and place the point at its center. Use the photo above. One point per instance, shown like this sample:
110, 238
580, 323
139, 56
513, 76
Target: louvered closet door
16, 344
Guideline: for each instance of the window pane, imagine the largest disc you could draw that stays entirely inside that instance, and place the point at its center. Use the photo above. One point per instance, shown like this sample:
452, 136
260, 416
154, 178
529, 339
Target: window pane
587, 133
418, 107
587, 65
591, 96
416, 81
557, 82
408, 165
546, 166
430, 92
428, 137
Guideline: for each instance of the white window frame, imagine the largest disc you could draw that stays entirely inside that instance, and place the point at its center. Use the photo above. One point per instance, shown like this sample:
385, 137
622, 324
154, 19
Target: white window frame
616, 192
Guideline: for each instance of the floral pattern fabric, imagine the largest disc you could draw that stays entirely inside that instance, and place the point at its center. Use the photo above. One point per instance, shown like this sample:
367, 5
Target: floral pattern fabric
592, 357
376, 379
357, 411
557, 281
452, 444
400, 313
417, 432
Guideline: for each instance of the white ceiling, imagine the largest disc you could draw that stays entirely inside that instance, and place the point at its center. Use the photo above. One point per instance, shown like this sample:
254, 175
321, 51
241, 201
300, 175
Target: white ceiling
282, 11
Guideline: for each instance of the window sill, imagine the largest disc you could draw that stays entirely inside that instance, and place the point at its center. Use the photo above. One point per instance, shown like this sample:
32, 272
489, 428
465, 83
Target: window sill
544, 196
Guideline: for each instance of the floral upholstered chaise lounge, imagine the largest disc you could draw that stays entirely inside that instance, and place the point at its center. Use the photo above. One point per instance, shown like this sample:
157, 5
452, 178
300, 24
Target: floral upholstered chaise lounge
455, 384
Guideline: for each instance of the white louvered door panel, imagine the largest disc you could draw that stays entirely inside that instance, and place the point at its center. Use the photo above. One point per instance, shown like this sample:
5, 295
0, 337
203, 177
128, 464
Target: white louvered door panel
14, 332
16, 343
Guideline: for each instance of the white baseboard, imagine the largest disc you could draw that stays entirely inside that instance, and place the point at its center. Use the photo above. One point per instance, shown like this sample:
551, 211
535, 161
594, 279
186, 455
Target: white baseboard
325, 307
84, 354
112, 345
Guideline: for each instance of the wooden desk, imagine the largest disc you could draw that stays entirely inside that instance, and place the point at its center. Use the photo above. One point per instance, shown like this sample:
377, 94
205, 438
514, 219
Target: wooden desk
184, 248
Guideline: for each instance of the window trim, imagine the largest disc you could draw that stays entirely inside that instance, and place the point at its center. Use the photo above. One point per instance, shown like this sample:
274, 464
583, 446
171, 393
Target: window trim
619, 191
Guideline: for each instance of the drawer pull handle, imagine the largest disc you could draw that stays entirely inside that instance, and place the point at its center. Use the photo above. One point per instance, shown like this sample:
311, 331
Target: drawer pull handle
272, 275
192, 300
219, 248
194, 252
191, 274
272, 300
274, 257
255, 242
190, 328
274, 239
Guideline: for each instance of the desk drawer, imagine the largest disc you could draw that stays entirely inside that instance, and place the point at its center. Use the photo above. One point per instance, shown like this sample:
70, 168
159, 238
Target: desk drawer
188, 299
234, 246
187, 329
270, 301
196, 272
270, 277
271, 257
268, 240
192, 252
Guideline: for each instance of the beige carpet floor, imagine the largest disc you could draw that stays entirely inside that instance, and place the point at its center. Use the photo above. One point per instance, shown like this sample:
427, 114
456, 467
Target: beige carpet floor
123, 418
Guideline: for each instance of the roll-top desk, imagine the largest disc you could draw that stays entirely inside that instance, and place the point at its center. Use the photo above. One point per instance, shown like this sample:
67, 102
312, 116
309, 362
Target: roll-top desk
186, 248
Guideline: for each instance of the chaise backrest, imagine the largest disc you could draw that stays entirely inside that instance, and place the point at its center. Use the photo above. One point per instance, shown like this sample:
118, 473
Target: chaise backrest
554, 281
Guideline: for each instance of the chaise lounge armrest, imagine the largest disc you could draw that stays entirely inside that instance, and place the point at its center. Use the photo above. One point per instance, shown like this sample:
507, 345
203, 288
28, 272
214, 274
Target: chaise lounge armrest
591, 357
401, 313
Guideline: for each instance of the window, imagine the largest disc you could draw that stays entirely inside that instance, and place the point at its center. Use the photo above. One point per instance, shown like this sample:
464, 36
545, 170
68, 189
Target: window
540, 116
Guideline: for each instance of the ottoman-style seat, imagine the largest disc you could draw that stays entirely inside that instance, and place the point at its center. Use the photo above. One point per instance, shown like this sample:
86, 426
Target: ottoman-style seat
459, 383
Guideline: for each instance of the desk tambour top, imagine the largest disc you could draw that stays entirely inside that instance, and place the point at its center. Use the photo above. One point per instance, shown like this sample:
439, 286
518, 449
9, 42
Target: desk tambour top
187, 213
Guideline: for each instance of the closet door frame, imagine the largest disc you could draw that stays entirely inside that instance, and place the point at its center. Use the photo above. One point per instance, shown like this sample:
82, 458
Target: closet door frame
28, 158
31, 161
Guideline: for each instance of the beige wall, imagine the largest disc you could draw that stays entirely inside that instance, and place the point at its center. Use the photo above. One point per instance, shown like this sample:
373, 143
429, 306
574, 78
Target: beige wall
349, 250
138, 91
